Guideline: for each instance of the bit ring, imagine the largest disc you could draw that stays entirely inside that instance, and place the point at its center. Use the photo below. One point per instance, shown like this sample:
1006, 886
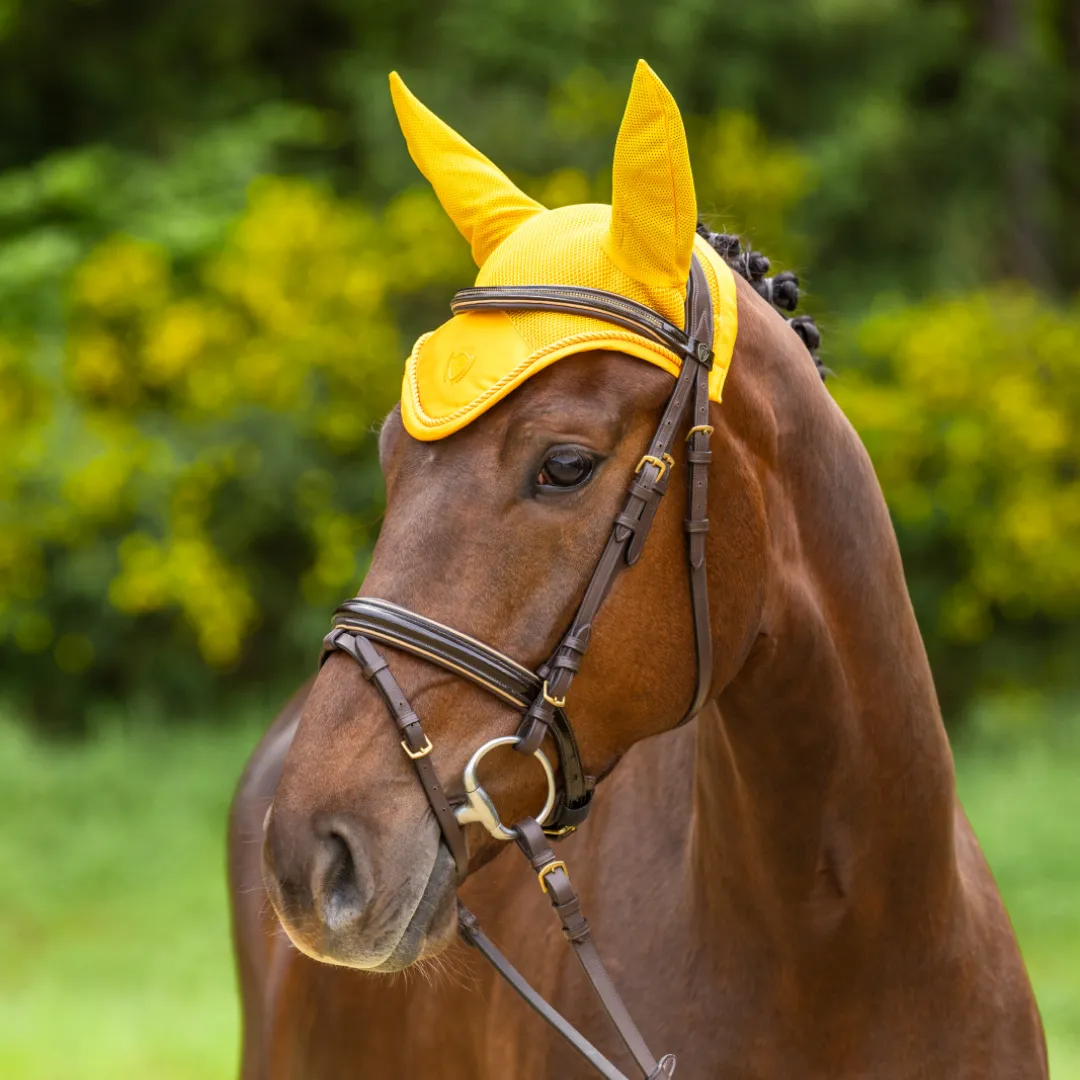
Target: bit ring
480, 807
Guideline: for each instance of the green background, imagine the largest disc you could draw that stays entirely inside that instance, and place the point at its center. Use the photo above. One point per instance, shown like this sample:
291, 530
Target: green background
214, 256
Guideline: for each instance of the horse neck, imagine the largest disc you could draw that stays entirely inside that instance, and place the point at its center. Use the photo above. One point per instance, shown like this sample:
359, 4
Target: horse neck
824, 780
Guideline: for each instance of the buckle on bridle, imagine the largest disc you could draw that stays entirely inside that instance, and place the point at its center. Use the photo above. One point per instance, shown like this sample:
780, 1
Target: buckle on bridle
416, 754
668, 462
550, 868
554, 702
707, 428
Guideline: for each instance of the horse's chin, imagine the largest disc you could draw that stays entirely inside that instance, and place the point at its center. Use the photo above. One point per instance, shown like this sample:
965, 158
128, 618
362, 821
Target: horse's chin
431, 931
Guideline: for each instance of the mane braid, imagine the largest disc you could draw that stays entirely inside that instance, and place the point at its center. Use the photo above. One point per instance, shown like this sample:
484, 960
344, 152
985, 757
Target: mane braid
782, 290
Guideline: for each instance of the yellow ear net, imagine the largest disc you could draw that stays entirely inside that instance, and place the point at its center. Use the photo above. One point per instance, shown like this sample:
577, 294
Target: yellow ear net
639, 248
653, 206
481, 200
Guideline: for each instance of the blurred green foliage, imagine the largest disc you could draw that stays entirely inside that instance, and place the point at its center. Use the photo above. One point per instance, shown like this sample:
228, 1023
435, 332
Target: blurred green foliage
970, 408
214, 254
203, 447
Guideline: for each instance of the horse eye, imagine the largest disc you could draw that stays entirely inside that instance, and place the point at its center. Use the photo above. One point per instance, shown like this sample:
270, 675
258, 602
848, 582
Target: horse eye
565, 468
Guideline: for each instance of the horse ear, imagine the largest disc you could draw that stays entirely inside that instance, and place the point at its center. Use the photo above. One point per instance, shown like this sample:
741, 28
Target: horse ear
481, 200
653, 207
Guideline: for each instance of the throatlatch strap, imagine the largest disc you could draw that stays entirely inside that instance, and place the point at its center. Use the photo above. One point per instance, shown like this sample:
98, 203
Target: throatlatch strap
699, 320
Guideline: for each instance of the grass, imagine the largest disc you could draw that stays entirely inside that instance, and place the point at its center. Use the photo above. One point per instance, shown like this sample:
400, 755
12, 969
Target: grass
114, 949
1025, 808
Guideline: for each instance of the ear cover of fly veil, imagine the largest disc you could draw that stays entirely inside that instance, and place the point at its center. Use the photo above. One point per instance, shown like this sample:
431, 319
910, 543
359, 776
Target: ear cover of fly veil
479, 198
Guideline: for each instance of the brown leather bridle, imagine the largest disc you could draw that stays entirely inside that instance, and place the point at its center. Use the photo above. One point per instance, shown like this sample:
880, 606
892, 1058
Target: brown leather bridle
542, 695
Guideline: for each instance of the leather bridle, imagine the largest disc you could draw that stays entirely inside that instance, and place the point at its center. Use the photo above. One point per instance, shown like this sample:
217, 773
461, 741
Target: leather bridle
542, 695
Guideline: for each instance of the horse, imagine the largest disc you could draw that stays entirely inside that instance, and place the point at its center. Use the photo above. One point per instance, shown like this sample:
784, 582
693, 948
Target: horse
782, 884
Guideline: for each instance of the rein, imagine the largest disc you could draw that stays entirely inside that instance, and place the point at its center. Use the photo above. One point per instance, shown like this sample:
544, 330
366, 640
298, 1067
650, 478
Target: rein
542, 695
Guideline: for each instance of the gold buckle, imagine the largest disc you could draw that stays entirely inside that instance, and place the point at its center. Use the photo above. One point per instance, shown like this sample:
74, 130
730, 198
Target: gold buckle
559, 834
556, 703
414, 754
551, 867
668, 462
707, 428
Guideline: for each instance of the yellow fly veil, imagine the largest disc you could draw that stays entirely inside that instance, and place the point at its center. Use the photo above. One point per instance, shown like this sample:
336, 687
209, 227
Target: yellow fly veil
639, 247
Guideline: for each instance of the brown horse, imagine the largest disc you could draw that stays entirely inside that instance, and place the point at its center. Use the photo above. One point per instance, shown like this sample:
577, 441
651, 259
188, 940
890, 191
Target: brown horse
784, 887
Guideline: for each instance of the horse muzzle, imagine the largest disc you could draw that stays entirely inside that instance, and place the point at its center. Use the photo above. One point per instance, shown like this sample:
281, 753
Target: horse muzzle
341, 903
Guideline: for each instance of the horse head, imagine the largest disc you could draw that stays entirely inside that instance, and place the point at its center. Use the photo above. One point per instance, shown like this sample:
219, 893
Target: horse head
504, 472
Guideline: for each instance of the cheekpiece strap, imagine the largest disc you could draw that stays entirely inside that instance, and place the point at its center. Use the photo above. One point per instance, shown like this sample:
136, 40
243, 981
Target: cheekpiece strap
631, 526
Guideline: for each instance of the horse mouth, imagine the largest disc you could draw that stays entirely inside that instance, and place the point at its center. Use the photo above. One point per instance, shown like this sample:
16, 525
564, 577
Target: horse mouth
434, 921
390, 934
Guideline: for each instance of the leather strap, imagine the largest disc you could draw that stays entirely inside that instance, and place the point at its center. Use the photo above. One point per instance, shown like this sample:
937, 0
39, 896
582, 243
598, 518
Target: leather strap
473, 935
415, 743
631, 527
555, 881
487, 668
699, 320
578, 300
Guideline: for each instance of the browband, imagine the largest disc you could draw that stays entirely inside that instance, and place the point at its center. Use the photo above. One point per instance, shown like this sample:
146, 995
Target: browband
591, 303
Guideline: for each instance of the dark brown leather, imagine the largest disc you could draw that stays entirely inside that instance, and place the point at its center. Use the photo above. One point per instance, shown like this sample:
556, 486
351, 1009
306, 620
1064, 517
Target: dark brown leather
376, 670
473, 935
699, 320
487, 668
355, 620
631, 526
564, 899
576, 300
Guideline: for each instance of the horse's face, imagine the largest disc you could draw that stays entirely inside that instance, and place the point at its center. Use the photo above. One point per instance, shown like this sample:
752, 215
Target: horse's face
494, 531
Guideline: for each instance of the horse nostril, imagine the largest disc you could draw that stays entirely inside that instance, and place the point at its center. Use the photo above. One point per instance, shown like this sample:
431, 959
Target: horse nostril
341, 886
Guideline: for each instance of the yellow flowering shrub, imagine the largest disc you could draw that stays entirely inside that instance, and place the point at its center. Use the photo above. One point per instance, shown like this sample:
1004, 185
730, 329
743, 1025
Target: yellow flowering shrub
970, 408
192, 466
194, 463
25, 405
203, 450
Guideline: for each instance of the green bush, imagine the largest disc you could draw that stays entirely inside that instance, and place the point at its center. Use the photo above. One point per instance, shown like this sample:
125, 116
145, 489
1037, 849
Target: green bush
201, 465
189, 383
188, 470
970, 408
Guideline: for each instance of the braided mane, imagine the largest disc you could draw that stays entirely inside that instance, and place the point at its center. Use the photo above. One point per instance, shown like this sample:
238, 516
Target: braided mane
782, 290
